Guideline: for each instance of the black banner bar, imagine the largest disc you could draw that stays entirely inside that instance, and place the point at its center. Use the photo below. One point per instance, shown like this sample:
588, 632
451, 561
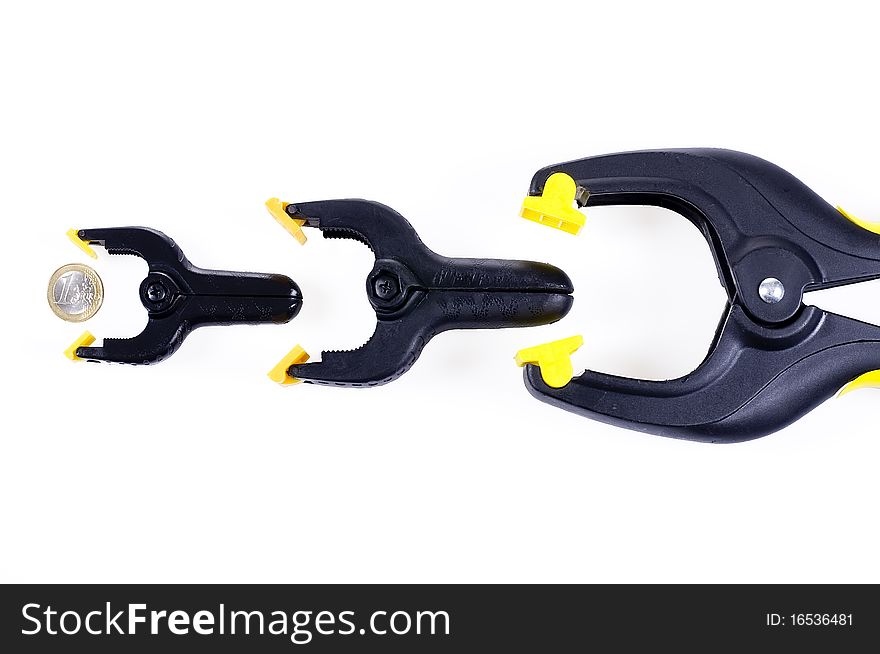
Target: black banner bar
434, 618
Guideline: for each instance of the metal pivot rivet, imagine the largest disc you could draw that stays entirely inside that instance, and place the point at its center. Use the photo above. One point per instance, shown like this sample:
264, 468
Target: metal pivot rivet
771, 290
156, 292
385, 287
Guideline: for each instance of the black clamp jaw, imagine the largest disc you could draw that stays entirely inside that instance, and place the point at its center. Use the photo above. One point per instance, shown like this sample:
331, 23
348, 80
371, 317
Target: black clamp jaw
180, 297
416, 293
773, 358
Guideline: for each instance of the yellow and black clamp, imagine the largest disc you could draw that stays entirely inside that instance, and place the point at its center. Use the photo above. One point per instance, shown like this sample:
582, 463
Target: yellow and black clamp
774, 358
180, 297
415, 293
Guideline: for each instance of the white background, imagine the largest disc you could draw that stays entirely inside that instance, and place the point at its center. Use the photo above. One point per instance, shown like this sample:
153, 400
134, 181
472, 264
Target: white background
186, 116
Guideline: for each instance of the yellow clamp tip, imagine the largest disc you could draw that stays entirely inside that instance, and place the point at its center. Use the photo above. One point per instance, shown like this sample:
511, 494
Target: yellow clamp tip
293, 225
279, 373
554, 207
84, 340
73, 235
868, 380
864, 224
554, 360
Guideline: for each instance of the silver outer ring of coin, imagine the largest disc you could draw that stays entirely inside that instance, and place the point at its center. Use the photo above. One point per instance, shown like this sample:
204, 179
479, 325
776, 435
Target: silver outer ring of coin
77, 287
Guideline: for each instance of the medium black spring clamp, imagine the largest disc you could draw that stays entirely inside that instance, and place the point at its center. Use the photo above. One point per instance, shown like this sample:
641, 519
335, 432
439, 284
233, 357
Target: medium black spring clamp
415, 293
180, 297
773, 358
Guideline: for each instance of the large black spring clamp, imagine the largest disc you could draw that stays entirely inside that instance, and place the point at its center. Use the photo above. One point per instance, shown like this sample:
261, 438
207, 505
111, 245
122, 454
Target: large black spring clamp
773, 358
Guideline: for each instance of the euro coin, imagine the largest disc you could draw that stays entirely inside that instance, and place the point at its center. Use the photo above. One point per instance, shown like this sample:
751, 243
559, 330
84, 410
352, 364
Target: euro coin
75, 292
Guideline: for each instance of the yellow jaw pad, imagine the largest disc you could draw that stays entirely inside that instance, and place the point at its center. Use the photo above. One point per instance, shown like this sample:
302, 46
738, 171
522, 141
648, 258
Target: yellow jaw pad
554, 207
864, 224
868, 380
73, 235
554, 360
83, 341
293, 225
279, 374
